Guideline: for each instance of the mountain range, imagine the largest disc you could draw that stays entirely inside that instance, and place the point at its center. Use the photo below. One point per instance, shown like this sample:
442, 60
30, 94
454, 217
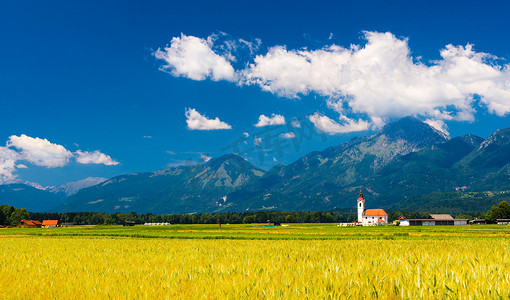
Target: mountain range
407, 165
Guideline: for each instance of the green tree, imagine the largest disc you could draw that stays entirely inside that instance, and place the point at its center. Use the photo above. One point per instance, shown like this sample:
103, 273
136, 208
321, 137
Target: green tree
2, 218
17, 215
501, 211
248, 219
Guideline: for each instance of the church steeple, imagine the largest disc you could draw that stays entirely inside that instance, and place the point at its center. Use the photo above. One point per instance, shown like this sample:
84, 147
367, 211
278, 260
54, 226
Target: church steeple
361, 206
360, 198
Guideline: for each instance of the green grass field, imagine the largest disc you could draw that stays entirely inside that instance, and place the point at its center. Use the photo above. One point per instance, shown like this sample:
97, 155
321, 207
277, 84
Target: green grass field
317, 261
262, 231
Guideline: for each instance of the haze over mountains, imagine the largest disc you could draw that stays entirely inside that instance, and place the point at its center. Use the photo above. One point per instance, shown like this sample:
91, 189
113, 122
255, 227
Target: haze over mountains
406, 165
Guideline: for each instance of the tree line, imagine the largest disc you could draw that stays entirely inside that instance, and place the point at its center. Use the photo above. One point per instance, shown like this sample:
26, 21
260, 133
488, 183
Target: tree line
10, 215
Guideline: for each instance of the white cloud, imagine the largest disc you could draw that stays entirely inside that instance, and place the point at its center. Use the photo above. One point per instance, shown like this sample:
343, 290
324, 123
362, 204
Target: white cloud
327, 125
288, 135
196, 121
268, 121
8, 160
257, 141
40, 152
246, 134
380, 79
295, 124
94, 157
205, 158
192, 57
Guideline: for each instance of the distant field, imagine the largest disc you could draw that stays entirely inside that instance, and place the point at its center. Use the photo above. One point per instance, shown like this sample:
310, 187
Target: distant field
260, 231
255, 262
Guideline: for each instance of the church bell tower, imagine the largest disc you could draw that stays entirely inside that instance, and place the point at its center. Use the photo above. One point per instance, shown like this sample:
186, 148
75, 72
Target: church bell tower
361, 206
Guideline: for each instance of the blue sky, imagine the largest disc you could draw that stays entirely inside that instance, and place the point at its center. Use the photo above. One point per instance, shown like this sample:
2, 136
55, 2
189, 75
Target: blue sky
102, 88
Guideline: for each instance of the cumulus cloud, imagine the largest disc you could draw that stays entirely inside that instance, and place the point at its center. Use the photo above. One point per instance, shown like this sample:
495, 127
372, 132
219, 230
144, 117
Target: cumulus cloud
192, 57
196, 121
379, 79
288, 135
327, 125
41, 152
94, 157
8, 160
273, 120
383, 80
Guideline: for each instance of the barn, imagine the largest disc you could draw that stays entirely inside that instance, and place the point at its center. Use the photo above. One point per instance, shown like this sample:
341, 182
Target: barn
28, 224
437, 219
479, 222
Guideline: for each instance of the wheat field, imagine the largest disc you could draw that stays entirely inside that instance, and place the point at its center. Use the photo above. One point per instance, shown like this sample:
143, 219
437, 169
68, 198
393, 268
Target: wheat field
131, 268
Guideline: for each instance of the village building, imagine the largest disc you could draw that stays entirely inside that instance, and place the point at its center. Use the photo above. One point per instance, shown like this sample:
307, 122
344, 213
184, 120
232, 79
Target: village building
129, 223
503, 221
49, 223
437, 219
479, 222
367, 217
29, 224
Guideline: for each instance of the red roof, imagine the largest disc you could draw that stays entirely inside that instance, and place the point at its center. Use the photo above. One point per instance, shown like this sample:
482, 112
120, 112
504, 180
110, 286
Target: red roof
375, 212
31, 222
49, 222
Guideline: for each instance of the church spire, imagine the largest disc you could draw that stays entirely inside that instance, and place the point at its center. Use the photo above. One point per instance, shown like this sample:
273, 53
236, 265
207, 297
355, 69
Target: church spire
361, 206
361, 196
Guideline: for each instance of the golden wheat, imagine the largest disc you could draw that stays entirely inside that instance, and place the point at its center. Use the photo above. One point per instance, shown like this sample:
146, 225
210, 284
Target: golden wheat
126, 268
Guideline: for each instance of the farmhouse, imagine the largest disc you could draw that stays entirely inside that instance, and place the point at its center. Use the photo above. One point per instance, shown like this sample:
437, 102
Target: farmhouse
49, 223
370, 216
29, 224
503, 221
437, 219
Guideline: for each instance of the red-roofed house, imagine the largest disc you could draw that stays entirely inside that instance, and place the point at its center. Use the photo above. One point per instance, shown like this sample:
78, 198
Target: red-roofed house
49, 223
29, 224
372, 216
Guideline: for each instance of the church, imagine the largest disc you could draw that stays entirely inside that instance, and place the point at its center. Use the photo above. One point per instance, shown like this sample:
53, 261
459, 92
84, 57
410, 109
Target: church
370, 217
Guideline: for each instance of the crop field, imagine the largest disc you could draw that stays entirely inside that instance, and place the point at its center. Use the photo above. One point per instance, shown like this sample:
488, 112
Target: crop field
255, 262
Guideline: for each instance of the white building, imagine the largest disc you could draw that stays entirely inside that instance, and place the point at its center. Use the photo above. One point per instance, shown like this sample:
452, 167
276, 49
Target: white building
370, 216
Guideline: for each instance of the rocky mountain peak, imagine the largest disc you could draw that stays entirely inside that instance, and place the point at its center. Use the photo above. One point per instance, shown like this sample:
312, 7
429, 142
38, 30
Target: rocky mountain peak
412, 130
500, 137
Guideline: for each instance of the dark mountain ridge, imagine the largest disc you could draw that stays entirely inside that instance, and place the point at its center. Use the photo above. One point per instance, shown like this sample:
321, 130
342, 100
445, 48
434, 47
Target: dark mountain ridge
195, 188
